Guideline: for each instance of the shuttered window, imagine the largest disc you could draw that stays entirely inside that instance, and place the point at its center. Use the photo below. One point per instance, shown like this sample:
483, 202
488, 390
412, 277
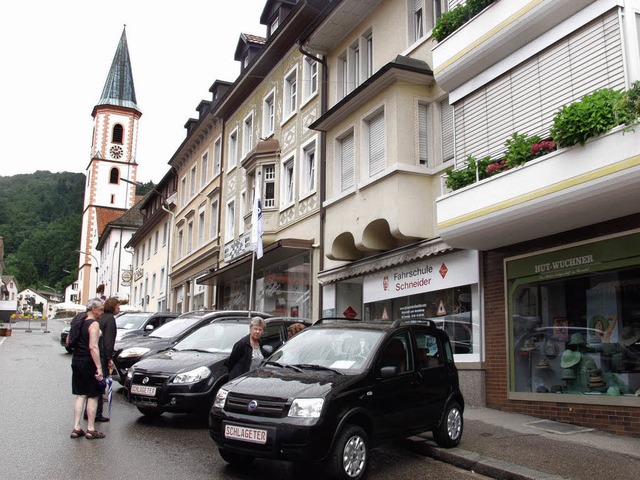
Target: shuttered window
446, 121
424, 139
526, 99
377, 141
347, 172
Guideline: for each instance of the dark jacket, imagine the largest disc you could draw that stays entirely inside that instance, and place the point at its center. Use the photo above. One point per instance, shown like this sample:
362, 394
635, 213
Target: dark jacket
239, 361
108, 327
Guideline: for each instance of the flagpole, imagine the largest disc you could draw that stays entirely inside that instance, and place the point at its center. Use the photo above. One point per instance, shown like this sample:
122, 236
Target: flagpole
253, 266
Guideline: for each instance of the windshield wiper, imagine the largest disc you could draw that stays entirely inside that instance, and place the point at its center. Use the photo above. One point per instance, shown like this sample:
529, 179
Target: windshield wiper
281, 365
310, 366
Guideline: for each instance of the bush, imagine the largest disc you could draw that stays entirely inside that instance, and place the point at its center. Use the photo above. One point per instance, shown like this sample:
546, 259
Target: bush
457, 179
594, 115
519, 149
629, 106
450, 21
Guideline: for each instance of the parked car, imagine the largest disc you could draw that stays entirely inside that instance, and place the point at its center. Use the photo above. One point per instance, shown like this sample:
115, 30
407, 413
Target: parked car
140, 323
186, 377
339, 388
63, 339
130, 350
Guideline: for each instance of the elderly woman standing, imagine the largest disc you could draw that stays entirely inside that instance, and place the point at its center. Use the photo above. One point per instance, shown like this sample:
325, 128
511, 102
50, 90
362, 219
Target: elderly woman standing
87, 372
247, 353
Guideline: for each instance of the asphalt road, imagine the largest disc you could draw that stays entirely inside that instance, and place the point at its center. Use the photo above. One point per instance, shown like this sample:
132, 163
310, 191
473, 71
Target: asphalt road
36, 418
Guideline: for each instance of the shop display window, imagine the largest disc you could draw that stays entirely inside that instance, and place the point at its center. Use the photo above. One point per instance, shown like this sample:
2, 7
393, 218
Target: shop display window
579, 334
450, 309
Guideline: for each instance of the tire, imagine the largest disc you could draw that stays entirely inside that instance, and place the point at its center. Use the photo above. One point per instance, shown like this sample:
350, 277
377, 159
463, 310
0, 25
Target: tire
234, 458
350, 455
449, 432
150, 412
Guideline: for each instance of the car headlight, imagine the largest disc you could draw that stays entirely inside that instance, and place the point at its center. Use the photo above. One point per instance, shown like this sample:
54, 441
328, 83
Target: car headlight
221, 398
130, 373
134, 352
306, 407
192, 376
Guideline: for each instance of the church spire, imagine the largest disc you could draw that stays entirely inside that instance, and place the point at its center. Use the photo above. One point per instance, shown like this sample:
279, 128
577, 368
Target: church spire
118, 89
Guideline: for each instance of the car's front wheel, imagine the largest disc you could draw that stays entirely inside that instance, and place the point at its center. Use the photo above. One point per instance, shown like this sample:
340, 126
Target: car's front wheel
449, 432
150, 411
234, 458
350, 454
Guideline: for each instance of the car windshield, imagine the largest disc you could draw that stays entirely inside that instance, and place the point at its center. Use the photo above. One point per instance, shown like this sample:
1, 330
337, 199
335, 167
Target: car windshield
216, 337
174, 327
131, 321
336, 349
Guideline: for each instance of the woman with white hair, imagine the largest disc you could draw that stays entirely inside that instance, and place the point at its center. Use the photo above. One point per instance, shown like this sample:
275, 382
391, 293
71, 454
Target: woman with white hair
87, 379
247, 353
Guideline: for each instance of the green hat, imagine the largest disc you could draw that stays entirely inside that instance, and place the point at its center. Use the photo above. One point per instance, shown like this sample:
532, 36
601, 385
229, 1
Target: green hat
577, 339
570, 358
568, 374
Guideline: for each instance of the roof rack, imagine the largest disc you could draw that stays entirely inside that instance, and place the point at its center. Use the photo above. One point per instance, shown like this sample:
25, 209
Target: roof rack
413, 321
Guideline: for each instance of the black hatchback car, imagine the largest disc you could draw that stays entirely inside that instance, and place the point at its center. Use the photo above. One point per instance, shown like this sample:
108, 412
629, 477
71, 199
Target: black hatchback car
186, 377
339, 388
130, 350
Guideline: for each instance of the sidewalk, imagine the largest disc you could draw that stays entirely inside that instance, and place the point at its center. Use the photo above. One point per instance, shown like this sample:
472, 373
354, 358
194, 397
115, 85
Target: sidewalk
512, 446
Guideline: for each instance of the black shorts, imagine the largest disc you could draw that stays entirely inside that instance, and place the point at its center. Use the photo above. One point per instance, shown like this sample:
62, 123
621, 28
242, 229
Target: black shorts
83, 380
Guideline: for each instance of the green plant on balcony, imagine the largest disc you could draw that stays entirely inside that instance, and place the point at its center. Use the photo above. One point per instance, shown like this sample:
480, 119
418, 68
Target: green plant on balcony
475, 170
450, 21
519, 149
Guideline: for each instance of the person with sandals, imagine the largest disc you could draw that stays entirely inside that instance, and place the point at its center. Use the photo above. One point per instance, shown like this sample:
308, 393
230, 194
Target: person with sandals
87, 381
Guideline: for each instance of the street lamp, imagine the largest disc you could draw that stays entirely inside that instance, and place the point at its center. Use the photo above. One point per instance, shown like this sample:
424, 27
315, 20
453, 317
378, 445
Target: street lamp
94, 257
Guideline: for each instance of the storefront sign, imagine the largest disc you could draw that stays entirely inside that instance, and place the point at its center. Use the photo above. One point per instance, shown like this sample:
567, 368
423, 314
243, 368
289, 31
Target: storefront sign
430, 274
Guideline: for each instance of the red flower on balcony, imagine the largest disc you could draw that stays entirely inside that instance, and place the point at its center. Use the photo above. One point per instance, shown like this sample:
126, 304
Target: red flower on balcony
542, 148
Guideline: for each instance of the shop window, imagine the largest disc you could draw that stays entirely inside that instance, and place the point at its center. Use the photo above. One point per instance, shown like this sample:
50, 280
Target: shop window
574, 321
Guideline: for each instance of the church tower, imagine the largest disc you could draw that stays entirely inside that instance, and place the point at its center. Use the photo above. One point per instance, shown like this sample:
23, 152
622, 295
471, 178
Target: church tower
113, 158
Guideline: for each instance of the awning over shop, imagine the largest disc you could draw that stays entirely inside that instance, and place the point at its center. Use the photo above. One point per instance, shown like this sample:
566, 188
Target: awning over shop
384, 260
274, 253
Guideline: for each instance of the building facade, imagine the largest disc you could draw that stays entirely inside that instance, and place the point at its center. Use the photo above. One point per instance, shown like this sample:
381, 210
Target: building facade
559, 234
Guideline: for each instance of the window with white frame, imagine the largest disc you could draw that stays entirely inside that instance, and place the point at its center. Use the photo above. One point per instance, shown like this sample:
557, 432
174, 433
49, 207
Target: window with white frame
343, 76
161, 285
153, 285
165, 229
269, 114
275, 23
368, 59
423, 15
229, 231
308, 173
354, 65
203, 169
309, 78
435, 120
243, 209
179, 243
149, 250
201, 228
290, 95
190, 236
183, 191
213, 218
346, 156
376, 139
144, 246
269, 187
288, 182
233, 148
192, 181
424, 134
247, 135
217, 156
155, 241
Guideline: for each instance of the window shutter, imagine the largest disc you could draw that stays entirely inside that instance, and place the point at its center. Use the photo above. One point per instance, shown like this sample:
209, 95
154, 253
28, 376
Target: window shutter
377, 141
446, 120
347, 173
423, 135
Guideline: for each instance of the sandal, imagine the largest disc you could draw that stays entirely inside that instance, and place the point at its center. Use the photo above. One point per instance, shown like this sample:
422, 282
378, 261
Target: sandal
91, 434
77, 433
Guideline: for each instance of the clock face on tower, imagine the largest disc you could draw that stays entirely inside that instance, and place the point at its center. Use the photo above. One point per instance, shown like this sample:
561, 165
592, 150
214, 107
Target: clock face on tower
116, 151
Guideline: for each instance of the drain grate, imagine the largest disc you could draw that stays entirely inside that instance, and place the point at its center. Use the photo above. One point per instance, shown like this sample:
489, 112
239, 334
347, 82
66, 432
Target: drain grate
558, 427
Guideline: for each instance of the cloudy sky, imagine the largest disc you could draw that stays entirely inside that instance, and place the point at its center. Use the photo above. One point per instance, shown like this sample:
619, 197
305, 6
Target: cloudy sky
56, 56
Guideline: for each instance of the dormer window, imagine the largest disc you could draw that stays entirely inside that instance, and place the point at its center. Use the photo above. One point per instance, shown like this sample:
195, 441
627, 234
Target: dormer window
275, 23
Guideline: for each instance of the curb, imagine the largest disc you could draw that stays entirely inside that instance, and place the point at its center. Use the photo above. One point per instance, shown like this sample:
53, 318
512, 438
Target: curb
484, 465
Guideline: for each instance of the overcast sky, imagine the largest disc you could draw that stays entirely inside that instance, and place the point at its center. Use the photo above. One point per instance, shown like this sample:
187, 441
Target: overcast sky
56, 56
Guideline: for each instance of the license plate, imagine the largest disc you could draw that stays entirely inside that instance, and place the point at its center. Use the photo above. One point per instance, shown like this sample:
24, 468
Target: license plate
245, 434
142, 390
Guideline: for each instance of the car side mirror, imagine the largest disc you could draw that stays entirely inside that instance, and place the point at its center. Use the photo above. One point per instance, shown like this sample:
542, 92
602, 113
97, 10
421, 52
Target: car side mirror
386, 372
268, 349
148, 328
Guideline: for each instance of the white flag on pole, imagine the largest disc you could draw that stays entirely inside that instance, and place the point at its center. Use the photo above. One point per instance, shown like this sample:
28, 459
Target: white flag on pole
256, 217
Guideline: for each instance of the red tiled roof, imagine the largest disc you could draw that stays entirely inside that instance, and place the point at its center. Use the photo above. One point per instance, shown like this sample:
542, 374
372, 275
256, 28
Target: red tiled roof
106, 215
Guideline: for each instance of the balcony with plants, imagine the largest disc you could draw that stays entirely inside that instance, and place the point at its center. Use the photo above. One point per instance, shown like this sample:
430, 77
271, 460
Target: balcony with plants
480, 33
587, 171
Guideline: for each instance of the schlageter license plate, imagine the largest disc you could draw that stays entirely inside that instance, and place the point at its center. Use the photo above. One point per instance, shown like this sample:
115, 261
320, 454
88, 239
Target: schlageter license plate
253, 435
142, 390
